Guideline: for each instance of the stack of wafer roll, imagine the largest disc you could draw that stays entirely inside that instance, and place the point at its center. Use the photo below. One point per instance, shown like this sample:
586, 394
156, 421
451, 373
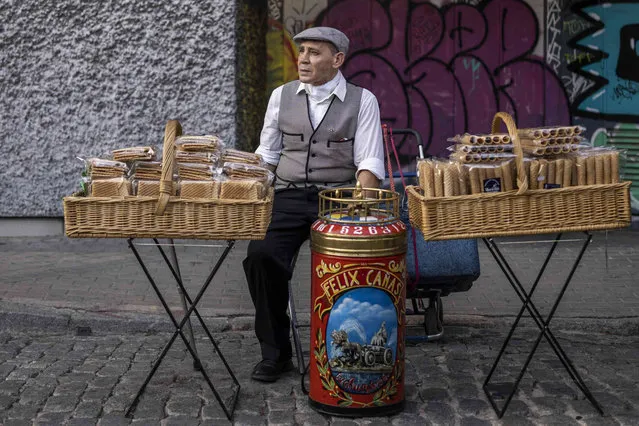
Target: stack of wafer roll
549, 141
597, 166
113, 187
199, 189
492, 157
442, 178
549, 173
134, 153
195, 171
550, 132
491, 139
479, 174
106, 169
199, 143
236, 156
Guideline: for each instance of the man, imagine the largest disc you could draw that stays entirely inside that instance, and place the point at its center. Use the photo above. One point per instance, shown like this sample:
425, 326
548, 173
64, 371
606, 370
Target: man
319, 132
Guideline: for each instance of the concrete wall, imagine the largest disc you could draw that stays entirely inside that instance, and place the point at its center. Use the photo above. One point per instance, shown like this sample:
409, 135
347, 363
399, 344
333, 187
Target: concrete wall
80, 78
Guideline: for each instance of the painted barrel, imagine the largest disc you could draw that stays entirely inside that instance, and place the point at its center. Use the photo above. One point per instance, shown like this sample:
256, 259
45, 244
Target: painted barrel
358, 293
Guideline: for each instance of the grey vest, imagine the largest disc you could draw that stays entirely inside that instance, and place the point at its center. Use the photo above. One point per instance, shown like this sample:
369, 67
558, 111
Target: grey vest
321, 156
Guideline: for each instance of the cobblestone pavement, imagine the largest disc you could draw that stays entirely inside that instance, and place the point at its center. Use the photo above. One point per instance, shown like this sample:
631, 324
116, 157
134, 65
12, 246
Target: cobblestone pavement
57, 378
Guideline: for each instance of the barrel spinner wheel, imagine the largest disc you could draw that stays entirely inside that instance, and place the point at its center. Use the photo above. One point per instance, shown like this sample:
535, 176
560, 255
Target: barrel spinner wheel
358, 293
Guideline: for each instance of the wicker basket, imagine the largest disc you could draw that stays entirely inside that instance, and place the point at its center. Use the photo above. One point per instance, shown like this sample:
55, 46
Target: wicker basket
166, 216
521, 211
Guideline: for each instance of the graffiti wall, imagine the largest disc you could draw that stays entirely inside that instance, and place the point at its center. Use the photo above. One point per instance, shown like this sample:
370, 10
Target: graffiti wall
445, 67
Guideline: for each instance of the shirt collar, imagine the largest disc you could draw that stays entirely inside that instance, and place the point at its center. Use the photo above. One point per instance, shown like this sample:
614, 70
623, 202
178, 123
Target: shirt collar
336, 86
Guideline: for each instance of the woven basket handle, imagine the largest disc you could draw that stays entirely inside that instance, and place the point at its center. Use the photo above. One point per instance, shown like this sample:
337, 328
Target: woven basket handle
522, 177
171, 131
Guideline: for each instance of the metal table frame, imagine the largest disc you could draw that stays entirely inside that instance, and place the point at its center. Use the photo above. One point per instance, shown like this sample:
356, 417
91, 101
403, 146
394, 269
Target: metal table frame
542, 324
184, 324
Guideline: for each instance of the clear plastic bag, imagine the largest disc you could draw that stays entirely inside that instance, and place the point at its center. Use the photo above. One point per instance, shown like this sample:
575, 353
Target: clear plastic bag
199, 143
202, 157
98, 168
492, 157
480, 149
595, 166
135, 153
550, 132
196, 171
113, 187
488, 139
236, 156
442, 178
199, 189
146, 170
240, 171
495, 177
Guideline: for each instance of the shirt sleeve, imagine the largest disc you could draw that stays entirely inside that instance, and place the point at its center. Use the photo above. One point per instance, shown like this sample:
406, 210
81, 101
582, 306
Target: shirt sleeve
271, 137
368, 148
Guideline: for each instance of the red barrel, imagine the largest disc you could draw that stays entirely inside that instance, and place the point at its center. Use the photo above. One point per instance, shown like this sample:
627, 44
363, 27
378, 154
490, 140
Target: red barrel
358, 257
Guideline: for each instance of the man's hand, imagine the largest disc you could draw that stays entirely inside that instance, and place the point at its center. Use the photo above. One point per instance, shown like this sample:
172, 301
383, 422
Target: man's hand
368, 180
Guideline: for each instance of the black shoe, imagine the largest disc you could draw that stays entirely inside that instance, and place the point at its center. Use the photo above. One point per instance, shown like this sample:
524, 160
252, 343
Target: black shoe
268, 370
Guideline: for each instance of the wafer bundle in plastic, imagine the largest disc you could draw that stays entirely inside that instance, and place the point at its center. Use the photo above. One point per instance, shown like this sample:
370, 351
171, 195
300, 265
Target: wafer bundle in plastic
140, 153
236, 156
241, 171
146, 170
550, 173
442, 178
550, 132
198, 143
146, 188
560, 140
199, 189
489, 139
493, 157
202, 157
597, 166
114, 187
105, 169
496, 177
195, 171
541, 151
480, 149
241, 190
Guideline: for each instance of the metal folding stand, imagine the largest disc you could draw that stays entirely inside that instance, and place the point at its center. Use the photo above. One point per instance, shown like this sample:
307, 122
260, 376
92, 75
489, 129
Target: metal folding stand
229, 406
544, 325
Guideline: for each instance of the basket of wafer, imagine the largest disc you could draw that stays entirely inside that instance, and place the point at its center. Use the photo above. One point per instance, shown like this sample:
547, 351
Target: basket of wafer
199, 190
523, 182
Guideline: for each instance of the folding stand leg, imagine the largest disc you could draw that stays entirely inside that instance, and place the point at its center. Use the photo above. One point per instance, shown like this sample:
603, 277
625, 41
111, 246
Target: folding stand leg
179, 329
542, 324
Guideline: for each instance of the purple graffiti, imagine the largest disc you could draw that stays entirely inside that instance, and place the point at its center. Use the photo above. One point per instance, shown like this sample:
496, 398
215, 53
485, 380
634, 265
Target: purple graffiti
448, 70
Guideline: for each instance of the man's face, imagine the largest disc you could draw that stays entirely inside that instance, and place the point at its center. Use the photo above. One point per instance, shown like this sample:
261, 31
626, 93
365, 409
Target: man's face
318, 62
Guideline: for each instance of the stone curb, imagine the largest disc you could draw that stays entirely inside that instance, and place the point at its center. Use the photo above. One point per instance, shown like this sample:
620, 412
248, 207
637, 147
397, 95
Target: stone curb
34, 317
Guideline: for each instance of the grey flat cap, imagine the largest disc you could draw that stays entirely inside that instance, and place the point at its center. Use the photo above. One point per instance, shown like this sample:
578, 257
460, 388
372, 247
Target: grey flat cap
331, 35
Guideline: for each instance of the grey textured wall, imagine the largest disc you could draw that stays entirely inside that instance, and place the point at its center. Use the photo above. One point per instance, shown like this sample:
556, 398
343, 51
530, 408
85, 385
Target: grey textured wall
80, 78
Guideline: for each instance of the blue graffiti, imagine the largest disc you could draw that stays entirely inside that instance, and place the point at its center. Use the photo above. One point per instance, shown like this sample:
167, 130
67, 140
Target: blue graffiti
613, 41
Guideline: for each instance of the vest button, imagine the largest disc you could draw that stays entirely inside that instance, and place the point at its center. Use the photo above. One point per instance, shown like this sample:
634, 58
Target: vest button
310, 170
313, 155
314, 141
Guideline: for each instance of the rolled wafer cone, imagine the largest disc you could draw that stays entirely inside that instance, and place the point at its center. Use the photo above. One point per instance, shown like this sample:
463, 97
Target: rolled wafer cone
614, 166
559, 172
590, 170
606, 168
475, 187
468, 139
482, 178
567, 178
561, 131
449, 180
534, 174
426, 178
438, 174
599, 170
581, 171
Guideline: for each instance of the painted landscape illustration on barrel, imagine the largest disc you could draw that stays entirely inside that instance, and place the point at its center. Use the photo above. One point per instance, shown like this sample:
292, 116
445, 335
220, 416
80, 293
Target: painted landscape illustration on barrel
361, 339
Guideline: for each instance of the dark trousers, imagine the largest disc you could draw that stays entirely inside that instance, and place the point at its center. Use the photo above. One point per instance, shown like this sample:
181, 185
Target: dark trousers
268, 268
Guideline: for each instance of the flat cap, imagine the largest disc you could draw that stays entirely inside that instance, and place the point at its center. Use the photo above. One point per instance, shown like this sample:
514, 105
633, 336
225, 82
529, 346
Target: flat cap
331, 35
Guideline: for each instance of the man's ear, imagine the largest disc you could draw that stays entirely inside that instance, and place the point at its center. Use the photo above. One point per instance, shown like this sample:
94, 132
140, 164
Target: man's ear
338, 59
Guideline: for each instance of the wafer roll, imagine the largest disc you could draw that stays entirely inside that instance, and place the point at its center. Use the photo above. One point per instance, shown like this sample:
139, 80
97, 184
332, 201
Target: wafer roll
534, 174
475, 188
550, 174
482, 178
449, 180
463, 179
614, 166
439, 181
567, 177
426, 178
559, 172
581, 171
590, 170
599, 170
606, 159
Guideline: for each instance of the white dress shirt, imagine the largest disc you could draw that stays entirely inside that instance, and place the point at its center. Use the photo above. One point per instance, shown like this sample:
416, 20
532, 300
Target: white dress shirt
368, 147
